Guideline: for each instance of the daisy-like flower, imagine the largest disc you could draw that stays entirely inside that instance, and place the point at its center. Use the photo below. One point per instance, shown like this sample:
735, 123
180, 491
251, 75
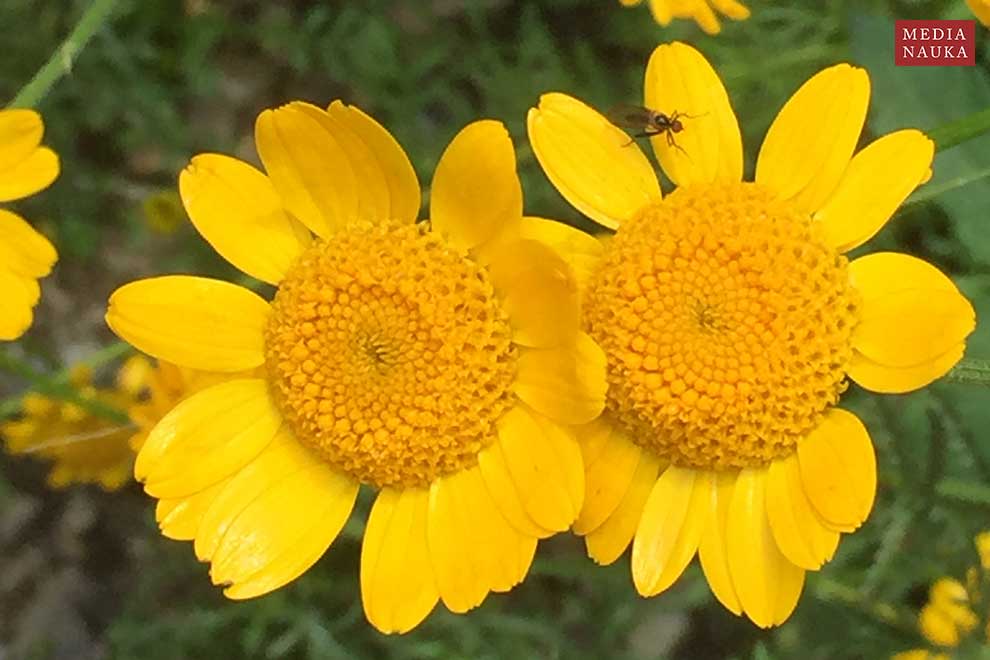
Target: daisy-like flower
702, 12
731, 321
981, 8
82, 447
436, 362
25, 255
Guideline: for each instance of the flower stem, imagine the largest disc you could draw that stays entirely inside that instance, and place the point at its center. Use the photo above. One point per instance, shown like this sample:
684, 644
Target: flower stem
62, 59
971, 372
880, 611
956, 132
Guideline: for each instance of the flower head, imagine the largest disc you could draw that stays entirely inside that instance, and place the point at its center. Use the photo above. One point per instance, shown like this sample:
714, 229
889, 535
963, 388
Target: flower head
702, 12
731, 319
437, 362
25, 255
82, 446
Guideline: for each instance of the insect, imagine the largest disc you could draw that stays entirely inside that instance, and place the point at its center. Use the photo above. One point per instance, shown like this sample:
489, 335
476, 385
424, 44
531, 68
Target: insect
650, 122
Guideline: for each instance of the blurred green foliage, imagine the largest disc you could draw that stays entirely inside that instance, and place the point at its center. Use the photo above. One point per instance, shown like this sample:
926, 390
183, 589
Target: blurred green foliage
166, 79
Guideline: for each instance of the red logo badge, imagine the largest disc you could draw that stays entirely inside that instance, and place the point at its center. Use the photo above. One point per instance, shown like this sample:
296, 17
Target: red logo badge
935, 43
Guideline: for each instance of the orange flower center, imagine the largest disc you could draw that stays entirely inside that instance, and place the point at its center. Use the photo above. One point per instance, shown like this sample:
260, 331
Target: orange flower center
726, 319
389, 355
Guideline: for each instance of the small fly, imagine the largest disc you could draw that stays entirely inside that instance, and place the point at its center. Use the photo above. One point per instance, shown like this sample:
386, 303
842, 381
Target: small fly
650, 122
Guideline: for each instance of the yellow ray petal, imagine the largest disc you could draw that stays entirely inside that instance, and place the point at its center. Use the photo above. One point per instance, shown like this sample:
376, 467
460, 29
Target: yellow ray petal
897, 380
839, 470
34, 173
712, 547
502, 488
236, 209
20, 295
23, 250
20, 134
680, 80
581, 251
195, 322
809, 144
877, 181
611, 538
608, 473
566, 383
731, 8
911, 313
670, 528
800, 535
274, 540
179, 518
398, 588
309, 167
476, 192
207, 437
398, 172
545, 466
538, 292
981, 9
593, 164
767, 584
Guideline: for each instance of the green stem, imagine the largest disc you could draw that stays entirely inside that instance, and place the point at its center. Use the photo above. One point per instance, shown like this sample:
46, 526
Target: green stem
971, 372
956, 132
62, 59
56, 387
885, 613
931, 192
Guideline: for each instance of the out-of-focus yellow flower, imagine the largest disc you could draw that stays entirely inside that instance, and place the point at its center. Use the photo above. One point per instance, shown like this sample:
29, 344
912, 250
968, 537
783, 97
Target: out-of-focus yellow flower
947, 617
26, 167
982, 10
920, 654
982, 542
82, 446
702, 12
163, 212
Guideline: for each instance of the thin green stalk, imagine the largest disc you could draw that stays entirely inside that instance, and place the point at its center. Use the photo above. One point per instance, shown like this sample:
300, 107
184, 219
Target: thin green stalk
62, 59
970, 371
931, 192
956, 132
882, 612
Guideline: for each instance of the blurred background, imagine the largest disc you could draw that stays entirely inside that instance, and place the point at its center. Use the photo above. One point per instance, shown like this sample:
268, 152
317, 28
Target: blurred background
84, 572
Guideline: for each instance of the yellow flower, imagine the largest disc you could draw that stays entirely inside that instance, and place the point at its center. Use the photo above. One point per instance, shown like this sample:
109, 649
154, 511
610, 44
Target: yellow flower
25, 255
919, 654
982, 10
437, 362
82, 446
982, 542
731, 320
701, 11
947, 617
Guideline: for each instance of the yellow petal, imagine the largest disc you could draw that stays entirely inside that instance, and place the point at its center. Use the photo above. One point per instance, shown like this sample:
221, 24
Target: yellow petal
897, 380
809, 144
911, 313
538, 292
581, 251
680, 81
731, 8
768, 585
800, 535
179, 518
670, 528
611, 538
309, 167
544, 463
195, 322
398, 172
236, 209
274, 540
20, 295
502, 488
207, 437
476, 191
398, 588
981, 9
473, 548
593, 164
712, 547
22, 249
20, 134
877, 181
608, 472
34, 173
839, 470
566, 383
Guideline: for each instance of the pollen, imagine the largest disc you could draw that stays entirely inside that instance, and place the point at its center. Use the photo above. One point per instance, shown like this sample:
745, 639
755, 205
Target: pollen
389, 355
727, 323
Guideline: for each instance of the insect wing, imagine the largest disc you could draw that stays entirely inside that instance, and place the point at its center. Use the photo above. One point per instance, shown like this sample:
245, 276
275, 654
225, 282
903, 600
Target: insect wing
631, 116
